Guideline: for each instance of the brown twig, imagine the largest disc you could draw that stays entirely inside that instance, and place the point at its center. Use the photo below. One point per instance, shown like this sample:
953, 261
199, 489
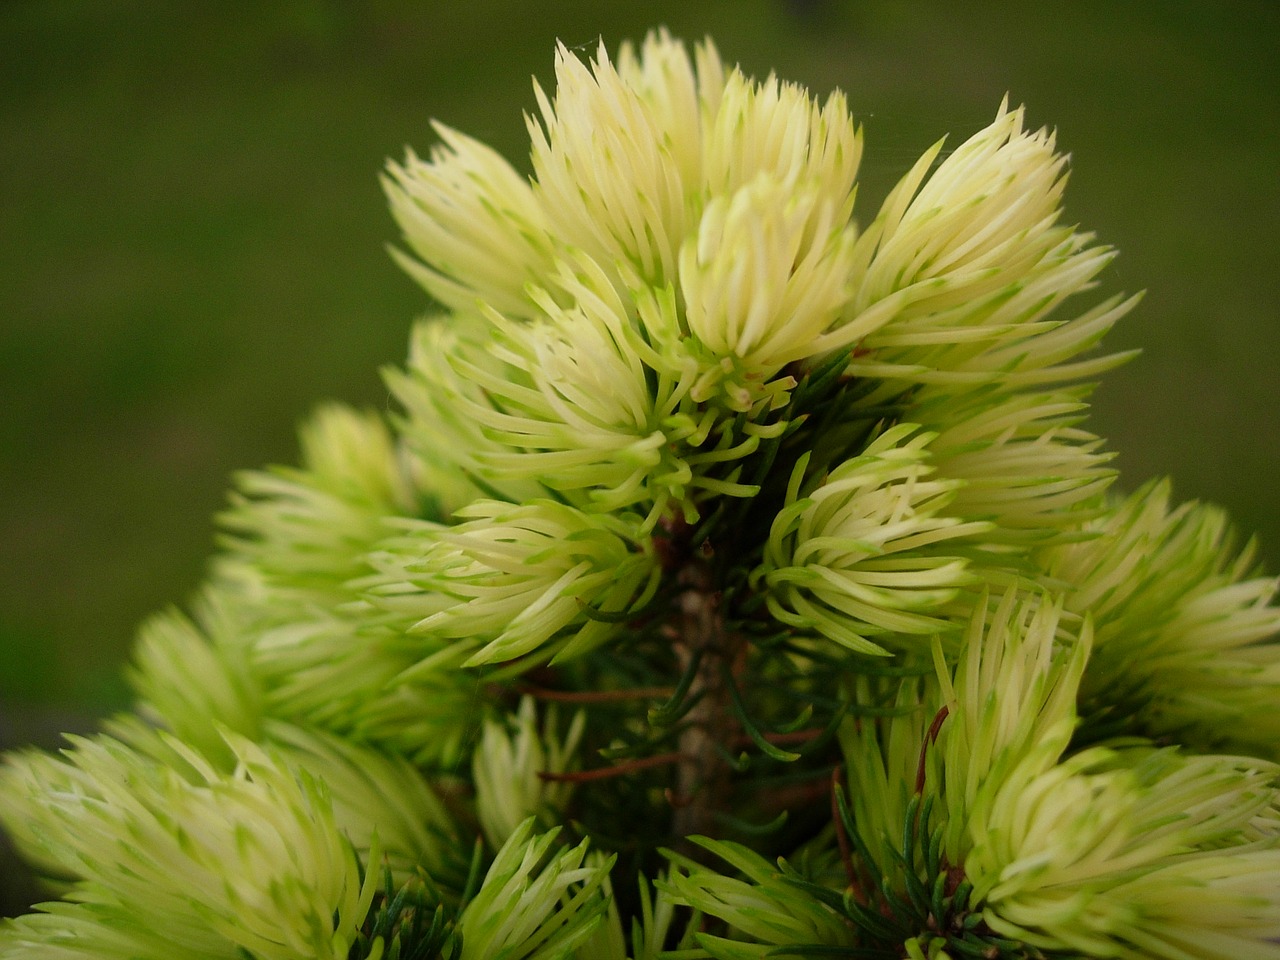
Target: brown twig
617, 770
703, 777
659, 759
782, 739
598, 696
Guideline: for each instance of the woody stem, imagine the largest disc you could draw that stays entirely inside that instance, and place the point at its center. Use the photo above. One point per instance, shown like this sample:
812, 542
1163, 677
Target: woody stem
703, 782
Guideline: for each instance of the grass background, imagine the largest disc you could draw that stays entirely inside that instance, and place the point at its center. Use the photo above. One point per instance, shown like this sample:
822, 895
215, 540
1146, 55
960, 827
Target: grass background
192, 242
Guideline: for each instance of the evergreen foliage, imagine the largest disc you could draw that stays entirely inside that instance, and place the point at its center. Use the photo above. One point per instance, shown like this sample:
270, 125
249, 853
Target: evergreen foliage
731, 581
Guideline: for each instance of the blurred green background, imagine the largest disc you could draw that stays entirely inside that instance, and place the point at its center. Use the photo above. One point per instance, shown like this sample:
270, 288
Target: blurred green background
192, 242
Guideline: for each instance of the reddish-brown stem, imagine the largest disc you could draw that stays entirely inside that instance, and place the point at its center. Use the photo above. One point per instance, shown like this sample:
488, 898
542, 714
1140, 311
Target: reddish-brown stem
598, 696
930, 737
617, 770
663, 759
781, 739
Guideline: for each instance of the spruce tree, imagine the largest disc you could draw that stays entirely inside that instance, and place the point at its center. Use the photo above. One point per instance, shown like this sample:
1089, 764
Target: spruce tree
734, 578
